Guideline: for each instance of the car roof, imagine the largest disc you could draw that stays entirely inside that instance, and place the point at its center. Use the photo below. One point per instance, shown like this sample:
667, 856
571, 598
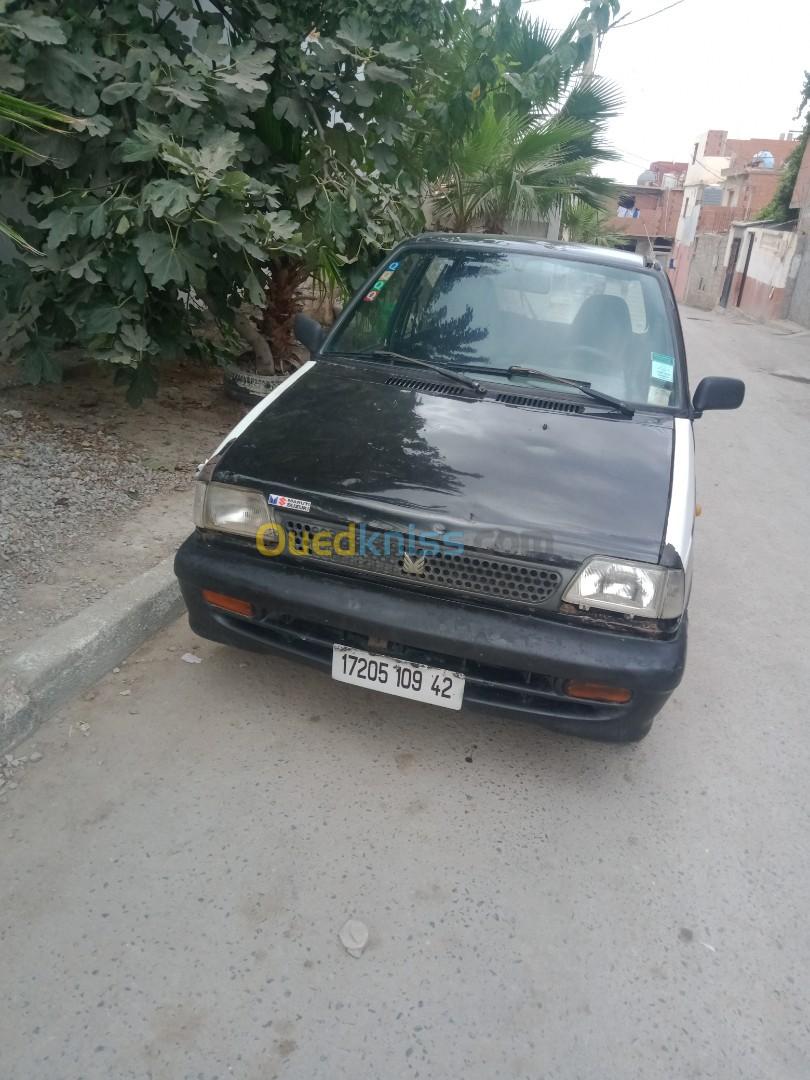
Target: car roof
527, 245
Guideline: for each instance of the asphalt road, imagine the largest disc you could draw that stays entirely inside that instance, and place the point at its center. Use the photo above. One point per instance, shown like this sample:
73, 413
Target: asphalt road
177, 867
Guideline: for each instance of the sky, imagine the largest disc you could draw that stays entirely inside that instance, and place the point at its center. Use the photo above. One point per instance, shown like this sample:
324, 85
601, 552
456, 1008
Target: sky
727, 64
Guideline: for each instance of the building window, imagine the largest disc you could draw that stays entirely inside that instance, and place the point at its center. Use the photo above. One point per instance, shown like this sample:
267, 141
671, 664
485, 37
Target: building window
686, 206
694, 153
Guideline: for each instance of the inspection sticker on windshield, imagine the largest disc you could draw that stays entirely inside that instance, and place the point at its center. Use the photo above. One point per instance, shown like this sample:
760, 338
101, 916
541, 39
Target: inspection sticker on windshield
393, 266
662, 367
371, 297
289, 504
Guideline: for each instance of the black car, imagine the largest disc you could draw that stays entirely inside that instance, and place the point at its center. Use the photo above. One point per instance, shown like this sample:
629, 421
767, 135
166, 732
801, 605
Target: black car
478, 491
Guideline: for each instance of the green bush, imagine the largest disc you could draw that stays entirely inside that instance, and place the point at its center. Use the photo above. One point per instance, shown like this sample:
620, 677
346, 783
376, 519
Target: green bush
224, 153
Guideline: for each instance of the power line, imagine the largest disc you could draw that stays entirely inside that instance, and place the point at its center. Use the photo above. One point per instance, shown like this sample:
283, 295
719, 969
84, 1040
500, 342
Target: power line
703, 165
620, 23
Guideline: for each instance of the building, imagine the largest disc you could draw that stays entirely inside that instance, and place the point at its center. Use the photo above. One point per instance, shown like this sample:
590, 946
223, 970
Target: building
727, 181
758, 267
797, 307
647, 212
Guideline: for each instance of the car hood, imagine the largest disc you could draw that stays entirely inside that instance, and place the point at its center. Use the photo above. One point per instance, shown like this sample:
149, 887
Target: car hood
521, 480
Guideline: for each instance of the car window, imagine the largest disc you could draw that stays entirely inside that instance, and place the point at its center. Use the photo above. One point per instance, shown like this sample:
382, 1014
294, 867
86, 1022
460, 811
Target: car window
369, 326
604, 325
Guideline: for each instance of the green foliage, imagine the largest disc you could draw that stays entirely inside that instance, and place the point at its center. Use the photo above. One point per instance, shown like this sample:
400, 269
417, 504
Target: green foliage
779, 208
18, 112
584, 224
514, 169
208, 157
228, 150
527, 133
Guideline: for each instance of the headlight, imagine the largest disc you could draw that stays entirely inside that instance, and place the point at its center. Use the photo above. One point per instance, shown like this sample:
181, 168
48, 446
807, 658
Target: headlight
230, 509
653, 592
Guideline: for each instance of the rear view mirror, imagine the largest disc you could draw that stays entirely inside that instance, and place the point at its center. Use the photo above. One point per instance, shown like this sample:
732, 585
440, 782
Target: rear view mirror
715, 392
309, 332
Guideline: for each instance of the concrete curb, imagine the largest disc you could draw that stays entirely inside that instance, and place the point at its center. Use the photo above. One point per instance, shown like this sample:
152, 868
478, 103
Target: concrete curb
76, 653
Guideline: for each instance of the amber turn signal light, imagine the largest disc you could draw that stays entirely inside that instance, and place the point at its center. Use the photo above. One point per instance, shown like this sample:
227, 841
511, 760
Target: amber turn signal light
593, 691
227, 603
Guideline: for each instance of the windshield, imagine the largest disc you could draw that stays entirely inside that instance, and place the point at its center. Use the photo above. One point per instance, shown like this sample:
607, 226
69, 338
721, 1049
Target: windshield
604, 325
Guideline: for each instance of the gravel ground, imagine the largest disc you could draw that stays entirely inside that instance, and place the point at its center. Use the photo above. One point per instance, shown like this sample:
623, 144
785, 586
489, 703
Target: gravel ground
94, 492
58, 486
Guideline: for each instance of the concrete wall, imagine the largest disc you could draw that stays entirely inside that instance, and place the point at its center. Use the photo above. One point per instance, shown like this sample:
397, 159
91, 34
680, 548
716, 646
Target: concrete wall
799, 282
799, 287
706, 271
799, 304
682, 257
801, 190
769, 272
690, 213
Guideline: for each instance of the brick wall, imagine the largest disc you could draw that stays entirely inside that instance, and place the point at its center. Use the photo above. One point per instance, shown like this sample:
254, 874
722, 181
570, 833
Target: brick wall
741, 151
658, 214
715, 144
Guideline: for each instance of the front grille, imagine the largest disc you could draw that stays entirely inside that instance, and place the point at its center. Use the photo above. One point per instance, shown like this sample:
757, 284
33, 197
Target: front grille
469, 574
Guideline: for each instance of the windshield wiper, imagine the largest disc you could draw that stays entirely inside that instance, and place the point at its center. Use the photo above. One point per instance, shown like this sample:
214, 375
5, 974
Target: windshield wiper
578, 384
583, 387
389, 354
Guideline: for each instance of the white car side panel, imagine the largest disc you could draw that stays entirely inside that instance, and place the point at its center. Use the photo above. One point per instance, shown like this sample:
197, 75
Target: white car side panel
259, 408
681, 517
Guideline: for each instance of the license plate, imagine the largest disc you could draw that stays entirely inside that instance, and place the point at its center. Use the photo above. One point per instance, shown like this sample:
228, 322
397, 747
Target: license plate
399, 677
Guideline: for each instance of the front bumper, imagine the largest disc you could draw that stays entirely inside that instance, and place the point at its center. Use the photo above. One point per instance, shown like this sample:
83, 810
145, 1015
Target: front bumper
512, 662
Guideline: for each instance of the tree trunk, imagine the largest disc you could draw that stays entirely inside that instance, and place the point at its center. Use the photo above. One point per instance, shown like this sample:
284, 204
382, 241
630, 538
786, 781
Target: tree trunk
265, 362
281, 306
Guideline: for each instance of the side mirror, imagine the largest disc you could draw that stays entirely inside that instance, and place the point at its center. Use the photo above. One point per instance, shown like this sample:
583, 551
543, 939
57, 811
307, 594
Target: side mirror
715, 392
309, 332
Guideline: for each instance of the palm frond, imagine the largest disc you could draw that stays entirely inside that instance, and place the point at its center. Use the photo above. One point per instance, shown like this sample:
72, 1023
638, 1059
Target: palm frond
15, 237
594, 100
516, 167
12, 146
586, 225
532, 40
38, 118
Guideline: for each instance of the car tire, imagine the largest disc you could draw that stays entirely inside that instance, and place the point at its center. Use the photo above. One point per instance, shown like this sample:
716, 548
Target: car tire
247, 386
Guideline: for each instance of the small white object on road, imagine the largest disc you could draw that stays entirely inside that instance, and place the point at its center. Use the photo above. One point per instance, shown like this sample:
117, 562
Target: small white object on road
190, 658
354, 937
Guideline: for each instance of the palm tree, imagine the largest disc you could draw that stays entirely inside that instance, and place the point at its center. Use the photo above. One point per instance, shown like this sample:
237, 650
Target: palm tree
15, 111
532, 140
513, 169
586, 225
